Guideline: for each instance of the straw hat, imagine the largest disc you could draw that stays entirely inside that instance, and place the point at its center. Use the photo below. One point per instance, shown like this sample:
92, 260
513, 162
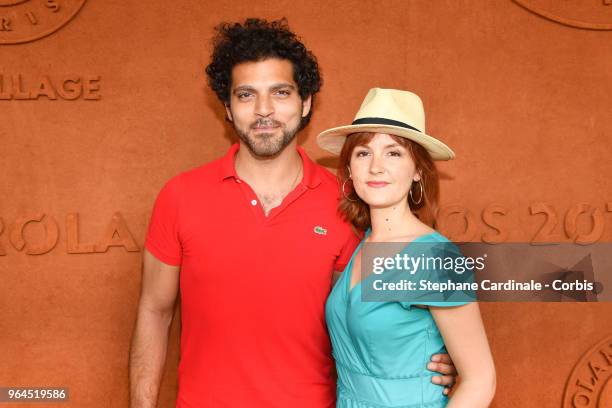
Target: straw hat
388, 111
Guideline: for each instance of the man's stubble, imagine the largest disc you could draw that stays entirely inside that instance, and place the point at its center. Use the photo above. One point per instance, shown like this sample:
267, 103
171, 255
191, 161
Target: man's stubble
267, 145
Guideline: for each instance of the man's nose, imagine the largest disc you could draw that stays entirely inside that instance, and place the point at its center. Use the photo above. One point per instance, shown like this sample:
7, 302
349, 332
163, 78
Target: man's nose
264, 106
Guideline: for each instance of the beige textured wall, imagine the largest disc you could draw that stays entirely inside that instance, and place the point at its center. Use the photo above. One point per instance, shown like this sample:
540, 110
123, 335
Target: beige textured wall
523, 98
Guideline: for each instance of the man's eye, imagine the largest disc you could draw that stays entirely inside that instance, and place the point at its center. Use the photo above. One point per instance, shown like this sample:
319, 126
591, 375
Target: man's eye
243, 95
282, 92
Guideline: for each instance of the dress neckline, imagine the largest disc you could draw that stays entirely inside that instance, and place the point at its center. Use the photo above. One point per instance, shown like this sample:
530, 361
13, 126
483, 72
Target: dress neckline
349, 266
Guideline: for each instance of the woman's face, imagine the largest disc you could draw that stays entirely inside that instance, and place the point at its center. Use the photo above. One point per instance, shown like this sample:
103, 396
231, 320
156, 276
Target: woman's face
382, 172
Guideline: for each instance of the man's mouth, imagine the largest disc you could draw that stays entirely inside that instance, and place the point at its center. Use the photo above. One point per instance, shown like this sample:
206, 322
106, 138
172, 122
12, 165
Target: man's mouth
267, 125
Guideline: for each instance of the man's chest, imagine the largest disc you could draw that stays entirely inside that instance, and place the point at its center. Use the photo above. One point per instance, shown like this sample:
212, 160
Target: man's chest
301, 241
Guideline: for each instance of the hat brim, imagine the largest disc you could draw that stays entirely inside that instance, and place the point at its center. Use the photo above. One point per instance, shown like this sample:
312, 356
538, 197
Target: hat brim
333, 139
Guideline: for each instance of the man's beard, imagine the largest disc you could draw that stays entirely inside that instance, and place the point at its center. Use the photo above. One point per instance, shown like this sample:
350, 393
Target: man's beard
267, 144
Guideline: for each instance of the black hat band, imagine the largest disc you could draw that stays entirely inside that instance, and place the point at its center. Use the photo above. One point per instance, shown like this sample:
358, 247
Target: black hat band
383, 121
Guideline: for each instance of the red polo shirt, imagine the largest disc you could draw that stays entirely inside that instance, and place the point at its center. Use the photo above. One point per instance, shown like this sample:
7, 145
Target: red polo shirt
253, 288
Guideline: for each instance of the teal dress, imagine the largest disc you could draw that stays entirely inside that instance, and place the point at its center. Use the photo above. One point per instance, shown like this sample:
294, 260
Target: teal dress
382, 348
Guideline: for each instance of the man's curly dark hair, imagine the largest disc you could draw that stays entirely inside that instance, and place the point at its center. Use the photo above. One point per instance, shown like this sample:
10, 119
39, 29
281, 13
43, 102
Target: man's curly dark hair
256, 40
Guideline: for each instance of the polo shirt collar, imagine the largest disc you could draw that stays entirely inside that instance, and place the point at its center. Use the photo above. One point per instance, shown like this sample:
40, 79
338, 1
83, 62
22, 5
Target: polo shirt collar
227, 163
311, 177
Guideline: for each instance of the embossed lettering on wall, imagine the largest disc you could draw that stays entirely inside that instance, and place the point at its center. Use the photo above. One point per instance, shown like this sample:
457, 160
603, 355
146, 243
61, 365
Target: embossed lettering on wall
589, 384
116, 234
68, 88
28, 20
589, 15
582, 223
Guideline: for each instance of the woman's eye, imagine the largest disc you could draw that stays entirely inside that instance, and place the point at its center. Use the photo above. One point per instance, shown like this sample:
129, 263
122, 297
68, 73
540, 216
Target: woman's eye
395, 154
362, 153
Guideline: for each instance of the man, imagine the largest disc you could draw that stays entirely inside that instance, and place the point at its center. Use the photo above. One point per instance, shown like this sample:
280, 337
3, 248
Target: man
256, 237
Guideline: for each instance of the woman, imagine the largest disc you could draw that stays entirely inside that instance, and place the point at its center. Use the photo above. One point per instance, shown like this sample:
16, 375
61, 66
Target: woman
390, 187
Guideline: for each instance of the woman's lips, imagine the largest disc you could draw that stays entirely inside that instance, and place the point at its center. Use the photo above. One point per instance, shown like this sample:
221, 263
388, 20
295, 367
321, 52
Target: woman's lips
377, 184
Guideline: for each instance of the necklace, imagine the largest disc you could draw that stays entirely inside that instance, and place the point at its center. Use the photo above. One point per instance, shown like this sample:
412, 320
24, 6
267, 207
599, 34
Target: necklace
273, 200
296, 177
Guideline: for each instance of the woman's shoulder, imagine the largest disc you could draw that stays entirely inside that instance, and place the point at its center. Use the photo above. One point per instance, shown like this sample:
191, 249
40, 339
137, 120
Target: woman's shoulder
426, 235
432, 242
434, 235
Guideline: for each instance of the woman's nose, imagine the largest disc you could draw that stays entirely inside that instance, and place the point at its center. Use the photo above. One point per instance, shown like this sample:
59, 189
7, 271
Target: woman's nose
377, 165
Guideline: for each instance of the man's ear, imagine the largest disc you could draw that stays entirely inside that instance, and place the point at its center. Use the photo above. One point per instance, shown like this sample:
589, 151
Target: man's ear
228, 112
306, 105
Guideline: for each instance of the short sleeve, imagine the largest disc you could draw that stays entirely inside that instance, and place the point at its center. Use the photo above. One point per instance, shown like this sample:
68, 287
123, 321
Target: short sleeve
163, 238
442, 264
351, 242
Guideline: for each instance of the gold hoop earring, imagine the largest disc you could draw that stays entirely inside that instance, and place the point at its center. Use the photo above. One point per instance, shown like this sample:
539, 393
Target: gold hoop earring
420, 195
344, 192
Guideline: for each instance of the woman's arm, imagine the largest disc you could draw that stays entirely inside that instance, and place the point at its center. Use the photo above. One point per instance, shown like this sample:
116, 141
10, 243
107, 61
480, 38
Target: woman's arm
466, 341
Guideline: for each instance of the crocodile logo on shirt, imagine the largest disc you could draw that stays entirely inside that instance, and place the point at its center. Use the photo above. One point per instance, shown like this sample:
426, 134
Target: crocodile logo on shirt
320, 230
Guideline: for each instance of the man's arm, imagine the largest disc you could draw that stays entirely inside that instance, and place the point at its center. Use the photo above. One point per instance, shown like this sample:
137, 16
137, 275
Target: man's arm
160, 284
